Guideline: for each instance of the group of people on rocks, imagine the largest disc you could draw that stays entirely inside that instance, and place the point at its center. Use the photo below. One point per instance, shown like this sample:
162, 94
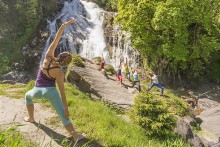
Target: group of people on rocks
136, 80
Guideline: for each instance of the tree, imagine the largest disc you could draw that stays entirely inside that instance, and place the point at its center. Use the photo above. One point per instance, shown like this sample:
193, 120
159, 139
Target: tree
175, 36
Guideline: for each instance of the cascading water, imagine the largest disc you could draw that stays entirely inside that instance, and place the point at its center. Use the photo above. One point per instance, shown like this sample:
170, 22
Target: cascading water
122, 51
86, 36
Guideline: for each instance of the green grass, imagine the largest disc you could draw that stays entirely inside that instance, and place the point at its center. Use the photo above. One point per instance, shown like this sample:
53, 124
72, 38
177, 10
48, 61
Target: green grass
7, 90
10, 137
109, 70
77, 60
97, 60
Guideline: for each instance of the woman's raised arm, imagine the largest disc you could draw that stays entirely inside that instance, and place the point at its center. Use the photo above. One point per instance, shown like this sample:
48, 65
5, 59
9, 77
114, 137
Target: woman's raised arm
53, 45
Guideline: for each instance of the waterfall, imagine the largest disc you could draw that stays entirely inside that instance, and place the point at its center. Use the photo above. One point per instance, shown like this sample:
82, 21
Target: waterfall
86, 36
122, 51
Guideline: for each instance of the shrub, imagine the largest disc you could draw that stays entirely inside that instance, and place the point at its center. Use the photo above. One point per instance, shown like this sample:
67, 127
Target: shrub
109, 69
153, 115
97, 60
77, 60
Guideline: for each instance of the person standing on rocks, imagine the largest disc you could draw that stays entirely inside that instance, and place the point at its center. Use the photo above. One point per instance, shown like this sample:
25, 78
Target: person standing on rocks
127, 72
136, 80
155, 82
119, 75
50, 73
102, 66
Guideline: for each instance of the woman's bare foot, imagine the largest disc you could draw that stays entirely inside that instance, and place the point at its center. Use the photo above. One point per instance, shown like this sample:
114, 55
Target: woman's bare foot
28, 119
77, 137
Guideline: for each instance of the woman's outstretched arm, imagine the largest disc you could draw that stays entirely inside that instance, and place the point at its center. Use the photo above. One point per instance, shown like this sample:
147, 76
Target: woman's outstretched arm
52, 47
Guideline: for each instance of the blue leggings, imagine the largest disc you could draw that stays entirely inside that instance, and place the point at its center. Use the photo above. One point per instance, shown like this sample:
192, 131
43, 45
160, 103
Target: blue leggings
51, 94
158, 85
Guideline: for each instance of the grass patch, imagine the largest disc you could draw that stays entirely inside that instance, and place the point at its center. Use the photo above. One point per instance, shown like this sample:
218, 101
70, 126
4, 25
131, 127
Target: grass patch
10, 137
109, 70
13, 91
177, 105
97, 60
55, 121
77, 60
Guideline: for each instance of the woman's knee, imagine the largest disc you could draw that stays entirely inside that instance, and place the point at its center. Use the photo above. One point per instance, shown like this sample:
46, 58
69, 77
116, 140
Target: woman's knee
28, 99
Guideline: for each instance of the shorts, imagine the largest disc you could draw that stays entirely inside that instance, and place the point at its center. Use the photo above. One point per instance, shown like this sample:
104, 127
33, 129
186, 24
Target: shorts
119, 78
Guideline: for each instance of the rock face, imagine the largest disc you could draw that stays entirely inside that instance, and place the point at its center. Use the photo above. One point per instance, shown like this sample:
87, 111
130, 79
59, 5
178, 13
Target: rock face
209, 121
92, 81
185, 129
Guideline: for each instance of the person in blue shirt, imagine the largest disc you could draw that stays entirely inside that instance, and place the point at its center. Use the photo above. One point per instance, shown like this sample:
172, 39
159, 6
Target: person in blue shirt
136, 80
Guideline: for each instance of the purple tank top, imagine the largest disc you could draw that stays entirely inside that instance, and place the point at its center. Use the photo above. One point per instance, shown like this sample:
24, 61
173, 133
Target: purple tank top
43, 81
119, 72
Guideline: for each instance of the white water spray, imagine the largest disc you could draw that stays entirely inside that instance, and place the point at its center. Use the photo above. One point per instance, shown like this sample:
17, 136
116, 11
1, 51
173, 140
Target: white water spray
86, 35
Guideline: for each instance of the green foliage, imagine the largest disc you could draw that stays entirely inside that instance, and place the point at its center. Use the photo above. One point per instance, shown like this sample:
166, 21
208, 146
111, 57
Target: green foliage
48, 7
29, 86
19, 22
3, 12
4, 61
214, 68
152, 113
176, 36
97, 60
12, 138
77, 60
109, 69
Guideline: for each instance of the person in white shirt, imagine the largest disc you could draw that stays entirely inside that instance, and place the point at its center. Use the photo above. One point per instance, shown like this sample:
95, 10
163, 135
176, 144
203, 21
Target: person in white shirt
155, 82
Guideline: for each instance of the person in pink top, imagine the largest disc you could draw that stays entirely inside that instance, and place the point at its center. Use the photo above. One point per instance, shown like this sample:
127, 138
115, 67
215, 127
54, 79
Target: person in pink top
102, 66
